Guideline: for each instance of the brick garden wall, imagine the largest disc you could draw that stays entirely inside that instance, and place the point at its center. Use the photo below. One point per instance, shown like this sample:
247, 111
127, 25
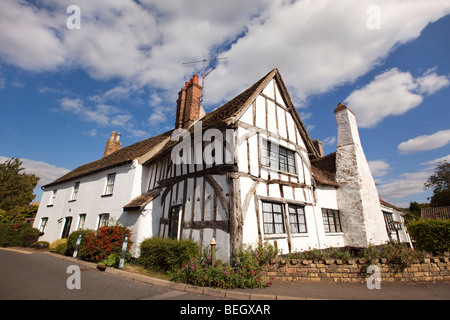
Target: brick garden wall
333, 270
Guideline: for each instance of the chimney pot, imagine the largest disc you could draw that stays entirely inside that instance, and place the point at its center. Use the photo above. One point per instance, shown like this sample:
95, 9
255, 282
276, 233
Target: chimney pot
113, 134
195, 79
118, 137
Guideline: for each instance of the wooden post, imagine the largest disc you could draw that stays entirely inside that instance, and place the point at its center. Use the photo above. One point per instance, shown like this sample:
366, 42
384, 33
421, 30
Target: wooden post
213, 251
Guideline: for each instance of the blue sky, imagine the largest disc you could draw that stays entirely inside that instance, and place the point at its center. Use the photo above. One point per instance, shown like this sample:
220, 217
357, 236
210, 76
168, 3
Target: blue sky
62, 90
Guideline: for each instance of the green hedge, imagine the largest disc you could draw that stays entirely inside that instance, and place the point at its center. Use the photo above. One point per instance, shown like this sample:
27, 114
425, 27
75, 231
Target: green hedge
17, 235
431, 235
163, 254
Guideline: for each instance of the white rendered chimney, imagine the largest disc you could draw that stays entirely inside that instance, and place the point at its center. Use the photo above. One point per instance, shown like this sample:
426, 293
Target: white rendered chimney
361, 216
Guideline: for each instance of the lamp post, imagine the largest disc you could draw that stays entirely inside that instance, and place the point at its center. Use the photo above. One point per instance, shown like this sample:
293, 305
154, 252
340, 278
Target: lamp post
213, 251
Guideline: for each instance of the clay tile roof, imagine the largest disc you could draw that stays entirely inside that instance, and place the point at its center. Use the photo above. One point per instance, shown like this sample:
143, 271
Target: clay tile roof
141, 201
117, 158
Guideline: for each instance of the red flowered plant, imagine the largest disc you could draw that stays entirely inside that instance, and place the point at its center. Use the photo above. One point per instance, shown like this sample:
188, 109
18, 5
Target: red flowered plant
106, 241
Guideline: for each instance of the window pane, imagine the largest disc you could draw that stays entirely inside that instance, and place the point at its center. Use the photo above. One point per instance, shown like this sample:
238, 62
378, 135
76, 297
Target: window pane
277, 207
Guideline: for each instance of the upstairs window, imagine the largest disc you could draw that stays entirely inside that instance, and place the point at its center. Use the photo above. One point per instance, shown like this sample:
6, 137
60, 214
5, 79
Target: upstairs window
43, 224
110, 184
76, 187
277, 157
52, 198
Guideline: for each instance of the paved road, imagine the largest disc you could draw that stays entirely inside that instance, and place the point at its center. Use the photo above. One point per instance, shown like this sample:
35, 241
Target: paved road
31, 275
26, 274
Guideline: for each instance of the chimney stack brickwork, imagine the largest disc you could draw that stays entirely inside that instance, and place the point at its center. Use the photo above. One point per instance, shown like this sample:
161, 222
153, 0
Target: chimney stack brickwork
189, 109
357, 195
113, 144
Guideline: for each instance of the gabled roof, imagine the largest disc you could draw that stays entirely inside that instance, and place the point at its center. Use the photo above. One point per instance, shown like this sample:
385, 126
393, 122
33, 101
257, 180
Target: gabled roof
229, 112
149, 150
117, 158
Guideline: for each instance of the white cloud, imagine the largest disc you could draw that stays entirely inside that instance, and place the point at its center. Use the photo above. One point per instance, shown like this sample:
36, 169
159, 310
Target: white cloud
408, 184
379, 167
328, 141
392, 93
46, 172
101, 114
436, 161
425, 142
317, 45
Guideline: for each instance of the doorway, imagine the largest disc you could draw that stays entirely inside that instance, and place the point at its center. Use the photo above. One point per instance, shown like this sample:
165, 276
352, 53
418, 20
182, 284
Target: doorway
66, 229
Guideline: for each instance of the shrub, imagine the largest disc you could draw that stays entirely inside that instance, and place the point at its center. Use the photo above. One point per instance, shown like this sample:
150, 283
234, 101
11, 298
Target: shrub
72, 241
432, 236
400, 256
244, 272
29, 236
164, 254
106, 241
17, 235
41, 245
58, 246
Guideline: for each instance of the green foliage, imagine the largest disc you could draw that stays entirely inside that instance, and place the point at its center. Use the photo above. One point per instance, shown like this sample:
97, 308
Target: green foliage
72, 241
440, 182
111, 261
58, 246
17, 235
431, 235
41, 245
164, 254
105, 241
16, 192
244, 271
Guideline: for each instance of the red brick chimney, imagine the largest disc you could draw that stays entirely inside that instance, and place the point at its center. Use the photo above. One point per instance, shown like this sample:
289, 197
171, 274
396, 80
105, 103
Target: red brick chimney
189, 109
113, 144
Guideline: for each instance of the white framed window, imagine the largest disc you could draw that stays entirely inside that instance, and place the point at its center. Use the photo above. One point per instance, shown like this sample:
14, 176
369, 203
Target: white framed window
297, 220
273, 217
43, 224
103, 220
331, 220
76, 187
110, 184
52, 198
81, 221
277, 157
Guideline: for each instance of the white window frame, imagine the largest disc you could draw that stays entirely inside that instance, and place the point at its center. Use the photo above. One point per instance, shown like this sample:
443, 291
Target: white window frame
81, 221
43, 225
103, 220
110, 181
75, 190
52, 198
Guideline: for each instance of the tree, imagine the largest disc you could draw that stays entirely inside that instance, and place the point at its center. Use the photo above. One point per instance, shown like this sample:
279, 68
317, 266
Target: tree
16, 191
440, 182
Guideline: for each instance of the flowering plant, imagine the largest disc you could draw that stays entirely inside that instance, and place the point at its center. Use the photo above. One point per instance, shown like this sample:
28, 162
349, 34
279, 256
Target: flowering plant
106, 241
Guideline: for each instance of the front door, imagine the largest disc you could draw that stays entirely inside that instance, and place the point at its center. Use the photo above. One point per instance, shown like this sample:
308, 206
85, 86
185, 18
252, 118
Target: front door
66, 229
174, 215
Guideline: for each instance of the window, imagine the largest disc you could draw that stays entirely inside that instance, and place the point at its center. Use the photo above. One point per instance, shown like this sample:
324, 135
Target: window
273, 217
52, 198
297, 221
277, 157
43, 224
331, 220
110, 184
75, 191
103, 220
81, 221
